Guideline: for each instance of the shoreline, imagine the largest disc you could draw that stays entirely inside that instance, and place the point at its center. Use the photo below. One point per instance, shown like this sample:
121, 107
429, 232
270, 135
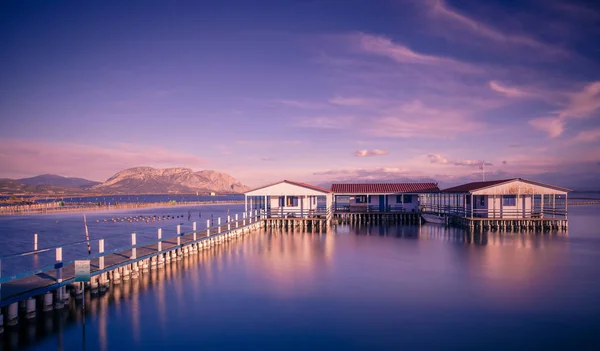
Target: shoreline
53, 208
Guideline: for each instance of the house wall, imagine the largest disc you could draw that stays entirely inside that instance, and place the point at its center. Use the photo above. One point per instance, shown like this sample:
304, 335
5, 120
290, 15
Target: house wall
304, 203
518, 187
391, 202
521, 209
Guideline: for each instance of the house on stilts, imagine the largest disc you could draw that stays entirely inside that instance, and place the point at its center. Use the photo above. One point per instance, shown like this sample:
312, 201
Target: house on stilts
374, 202
515, 203
288, 204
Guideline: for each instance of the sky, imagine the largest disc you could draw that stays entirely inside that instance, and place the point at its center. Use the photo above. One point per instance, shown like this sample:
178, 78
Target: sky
308, 90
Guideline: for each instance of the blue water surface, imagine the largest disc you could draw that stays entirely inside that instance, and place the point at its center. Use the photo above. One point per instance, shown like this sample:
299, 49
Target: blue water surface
383, 287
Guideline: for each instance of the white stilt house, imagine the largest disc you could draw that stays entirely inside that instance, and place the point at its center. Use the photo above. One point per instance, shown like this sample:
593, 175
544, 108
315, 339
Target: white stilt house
380, 197
515, 198
288, 199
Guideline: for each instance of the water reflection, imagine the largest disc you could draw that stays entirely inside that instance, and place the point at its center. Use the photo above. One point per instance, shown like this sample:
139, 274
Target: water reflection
277, 284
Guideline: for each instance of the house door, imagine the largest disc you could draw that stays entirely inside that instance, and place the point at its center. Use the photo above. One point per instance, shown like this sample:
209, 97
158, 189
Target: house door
381, 203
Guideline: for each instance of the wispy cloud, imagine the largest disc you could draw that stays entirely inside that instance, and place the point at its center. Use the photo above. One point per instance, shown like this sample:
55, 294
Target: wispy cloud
588, 135
308, 105
442, 10
439, 159
325, 122
415, 119
384, 46
355, 101
364, 174
368, 153
553, 126
512, 92
580, 105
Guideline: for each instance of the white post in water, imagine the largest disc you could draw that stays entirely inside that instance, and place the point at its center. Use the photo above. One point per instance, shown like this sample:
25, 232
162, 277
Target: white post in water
178, 234
35, 242
133, 243
101, 250
159, 237
194, 229
58, 264
207, 227
219, 221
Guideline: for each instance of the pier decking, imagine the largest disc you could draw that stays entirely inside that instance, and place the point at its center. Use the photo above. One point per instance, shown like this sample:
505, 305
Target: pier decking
49, 282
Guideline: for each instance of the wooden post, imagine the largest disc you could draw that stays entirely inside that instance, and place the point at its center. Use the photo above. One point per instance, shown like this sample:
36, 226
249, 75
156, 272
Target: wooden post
58, 264
159, 239
101, 250
179, 235
194, 229
471, 206
35, 242
133, 249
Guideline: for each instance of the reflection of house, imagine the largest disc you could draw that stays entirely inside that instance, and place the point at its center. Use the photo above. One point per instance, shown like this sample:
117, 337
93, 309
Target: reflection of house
515, 198
290, 199
390, 197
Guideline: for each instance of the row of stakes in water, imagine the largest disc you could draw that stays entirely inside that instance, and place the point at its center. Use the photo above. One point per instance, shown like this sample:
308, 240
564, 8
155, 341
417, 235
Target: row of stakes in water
147, 219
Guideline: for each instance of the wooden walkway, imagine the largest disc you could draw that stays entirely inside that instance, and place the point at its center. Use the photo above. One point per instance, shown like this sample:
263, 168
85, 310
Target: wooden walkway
32, 285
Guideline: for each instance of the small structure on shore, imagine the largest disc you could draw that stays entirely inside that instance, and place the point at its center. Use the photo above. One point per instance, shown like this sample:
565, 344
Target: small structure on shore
380, 197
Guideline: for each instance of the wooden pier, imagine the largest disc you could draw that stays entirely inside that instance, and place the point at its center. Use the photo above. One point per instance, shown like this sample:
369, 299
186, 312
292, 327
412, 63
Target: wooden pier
512, 224
378, 217
46, 288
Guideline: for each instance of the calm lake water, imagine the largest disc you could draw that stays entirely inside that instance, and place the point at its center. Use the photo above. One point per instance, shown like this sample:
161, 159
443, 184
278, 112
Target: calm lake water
353, 288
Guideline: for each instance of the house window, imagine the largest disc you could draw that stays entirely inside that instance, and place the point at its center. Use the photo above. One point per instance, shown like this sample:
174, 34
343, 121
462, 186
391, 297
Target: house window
408, 198
292, 201
361, 199
482, 201
509, 200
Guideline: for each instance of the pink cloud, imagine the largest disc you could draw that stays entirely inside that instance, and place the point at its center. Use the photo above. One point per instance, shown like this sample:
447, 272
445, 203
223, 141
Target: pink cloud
588, 135
308, 105
553, 126
439, 159
580, 105
369, 153
354, 101
325, 122
384, 46
21, 158
440, 9
508, 91
415, 119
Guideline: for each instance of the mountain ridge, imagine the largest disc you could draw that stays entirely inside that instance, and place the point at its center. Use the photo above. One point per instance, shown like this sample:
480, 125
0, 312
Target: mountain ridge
136, 180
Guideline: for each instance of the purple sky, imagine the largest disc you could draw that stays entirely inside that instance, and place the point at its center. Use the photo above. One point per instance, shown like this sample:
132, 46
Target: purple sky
313, 91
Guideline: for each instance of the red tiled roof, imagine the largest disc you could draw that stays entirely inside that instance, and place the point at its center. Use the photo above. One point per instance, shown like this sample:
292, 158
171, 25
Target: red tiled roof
385, 188
465, 188
313, 187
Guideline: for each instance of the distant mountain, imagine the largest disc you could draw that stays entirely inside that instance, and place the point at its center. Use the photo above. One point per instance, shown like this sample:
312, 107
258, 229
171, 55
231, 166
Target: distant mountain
11, 186
56, 180
148, 180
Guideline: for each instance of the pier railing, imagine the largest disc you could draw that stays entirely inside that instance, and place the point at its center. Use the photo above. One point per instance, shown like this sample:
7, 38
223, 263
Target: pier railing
498, 213
49, 276
373, 208
282, 212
